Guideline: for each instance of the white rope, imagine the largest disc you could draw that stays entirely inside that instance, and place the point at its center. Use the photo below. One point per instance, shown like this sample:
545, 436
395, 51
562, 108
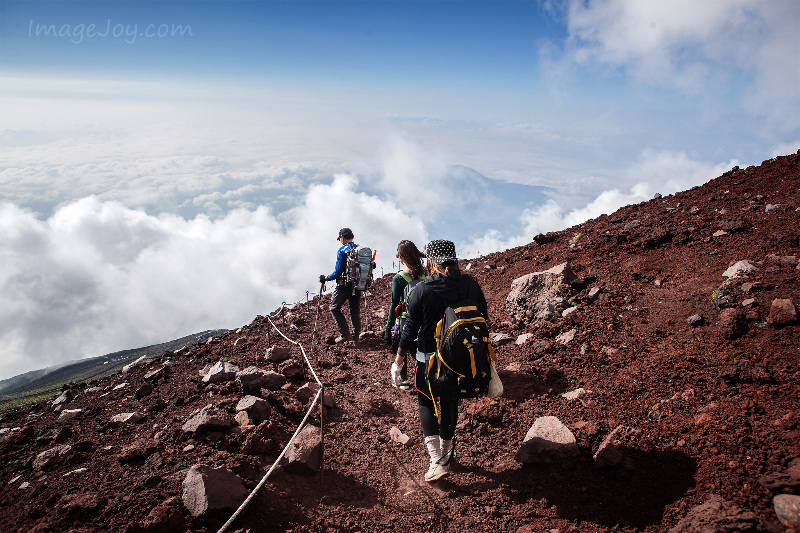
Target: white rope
320, 392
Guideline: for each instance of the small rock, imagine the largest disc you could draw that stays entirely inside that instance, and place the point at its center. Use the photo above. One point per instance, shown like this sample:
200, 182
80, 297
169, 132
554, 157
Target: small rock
207, 489
782, 312
566, 337
695, 320
524, 338
787, 507
738, 269
732, 323
399, 437
128, 418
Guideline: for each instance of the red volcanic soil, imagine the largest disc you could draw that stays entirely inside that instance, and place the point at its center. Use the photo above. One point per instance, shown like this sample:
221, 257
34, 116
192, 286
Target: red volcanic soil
707, 409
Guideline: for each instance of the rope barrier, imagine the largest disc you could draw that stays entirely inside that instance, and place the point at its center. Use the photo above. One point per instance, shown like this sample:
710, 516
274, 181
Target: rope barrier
319, 398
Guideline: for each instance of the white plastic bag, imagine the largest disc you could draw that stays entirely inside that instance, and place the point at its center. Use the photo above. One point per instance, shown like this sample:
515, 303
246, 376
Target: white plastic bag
495, 385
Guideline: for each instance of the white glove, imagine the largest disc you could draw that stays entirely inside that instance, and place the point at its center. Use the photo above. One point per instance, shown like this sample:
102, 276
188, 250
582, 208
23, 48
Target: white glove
396, 380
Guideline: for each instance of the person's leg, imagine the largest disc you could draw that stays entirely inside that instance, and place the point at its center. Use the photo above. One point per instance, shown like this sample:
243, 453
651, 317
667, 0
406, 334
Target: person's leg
448, 420
337, 300
355, 312
430, 432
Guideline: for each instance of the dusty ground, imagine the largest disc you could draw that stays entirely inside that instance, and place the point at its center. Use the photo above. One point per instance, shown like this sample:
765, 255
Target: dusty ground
710, 414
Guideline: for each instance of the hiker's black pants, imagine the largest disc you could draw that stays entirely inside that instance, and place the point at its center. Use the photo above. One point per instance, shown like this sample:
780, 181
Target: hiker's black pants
445, 425
340, 296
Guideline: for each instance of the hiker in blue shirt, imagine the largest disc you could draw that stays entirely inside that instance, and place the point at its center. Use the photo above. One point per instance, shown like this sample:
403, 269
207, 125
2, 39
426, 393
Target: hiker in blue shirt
343, 292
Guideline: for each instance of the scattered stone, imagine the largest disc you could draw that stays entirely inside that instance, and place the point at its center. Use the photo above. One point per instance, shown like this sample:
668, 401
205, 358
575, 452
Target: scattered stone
291, 368
786, 481
277, 354
500, 339
165, 517
157, 374
609, 453
566, 337
209, 418
242, 419
524, 338
568, 311
52, 457
787, 507
547, 441
222, 371
782, 312
719, 516
120, 386
69, 414
252, 379
128, 418
144, 390
304, 456
695, 320
732, 323
633, 224
575, 394
739, 269
64, 398
86, 501
139, 449
207, 489
720, 233
306, 392
771, 207
142, 360
399, 437
593, 294
259, 441
256, 408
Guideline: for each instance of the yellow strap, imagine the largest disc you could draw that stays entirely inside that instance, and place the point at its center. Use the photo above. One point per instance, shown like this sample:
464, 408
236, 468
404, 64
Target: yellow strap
465, 308
472, 360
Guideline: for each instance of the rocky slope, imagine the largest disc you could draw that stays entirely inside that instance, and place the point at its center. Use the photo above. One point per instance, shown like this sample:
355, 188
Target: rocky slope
688, 419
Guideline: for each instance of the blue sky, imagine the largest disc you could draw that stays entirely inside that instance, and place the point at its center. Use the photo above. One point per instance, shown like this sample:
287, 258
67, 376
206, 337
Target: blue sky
182, 166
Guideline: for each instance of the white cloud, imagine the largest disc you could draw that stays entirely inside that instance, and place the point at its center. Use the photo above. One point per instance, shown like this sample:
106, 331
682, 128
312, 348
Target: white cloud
98, 276
664, 173
721, 44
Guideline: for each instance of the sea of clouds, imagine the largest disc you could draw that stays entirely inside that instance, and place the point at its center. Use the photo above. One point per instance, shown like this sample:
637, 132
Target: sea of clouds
136, 211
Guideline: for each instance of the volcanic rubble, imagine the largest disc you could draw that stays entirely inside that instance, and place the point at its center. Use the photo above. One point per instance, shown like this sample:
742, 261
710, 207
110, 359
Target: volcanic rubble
657, 358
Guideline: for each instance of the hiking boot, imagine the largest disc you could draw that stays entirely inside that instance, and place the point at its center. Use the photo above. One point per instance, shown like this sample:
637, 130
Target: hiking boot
436, 471
343, 338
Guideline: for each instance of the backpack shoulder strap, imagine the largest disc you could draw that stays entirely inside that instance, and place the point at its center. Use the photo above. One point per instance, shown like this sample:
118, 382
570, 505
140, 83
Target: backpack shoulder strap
405, 276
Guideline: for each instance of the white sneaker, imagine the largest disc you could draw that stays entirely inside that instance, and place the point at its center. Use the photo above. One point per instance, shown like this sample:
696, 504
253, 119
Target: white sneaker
436, 471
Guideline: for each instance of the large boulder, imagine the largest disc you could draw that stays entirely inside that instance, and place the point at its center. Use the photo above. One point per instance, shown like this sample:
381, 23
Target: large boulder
782, 312
540, 295
547, 441
222, 371
207, 489
209, 418
256, 408
252, 379
304, 456
51, 457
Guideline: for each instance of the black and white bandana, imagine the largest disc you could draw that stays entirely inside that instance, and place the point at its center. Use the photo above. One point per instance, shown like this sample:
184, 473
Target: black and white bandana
441, 251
